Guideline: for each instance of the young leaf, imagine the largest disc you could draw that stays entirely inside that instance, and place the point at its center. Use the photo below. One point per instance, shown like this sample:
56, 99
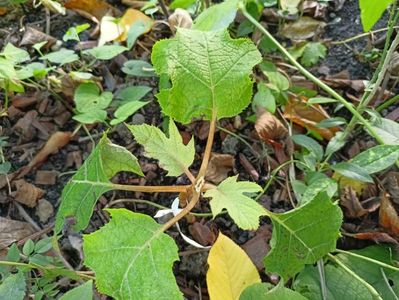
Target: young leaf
82, 292
217, 17
13, 287
105, 52
303, 236
202, 84
63, 56
14, 54
230, 270
90, 103
260, 291
309, 144
352, 171
138, 68
91, 181
371, 11
377, 158
126, 110
320, 100
132, 258
173, 155
230, 194
312, 54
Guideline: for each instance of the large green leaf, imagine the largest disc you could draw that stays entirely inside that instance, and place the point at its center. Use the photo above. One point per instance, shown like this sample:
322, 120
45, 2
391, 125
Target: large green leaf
91, 181
209, 72
371, 11
353, 171
260, 291
339, 284
342, 285
217, 17
230, 194
372, 272
173, 155
377, 158
303, 236
132, 258
387, 130
82, 292
13, 287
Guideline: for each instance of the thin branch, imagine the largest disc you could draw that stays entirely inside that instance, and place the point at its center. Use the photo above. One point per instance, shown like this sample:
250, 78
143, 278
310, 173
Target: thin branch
152, 189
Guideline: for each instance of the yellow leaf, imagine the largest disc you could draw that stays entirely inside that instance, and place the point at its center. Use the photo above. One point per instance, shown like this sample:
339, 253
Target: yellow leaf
131, 17
110, 29
230, 270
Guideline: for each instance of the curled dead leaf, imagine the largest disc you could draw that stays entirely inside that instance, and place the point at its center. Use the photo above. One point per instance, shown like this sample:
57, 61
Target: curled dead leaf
26, 193
302, 29
44, 210
12, 231
377, 237
308, 116
258, 246
180, 19
33, 36
96, 8
219, 167
353, 207
388, 218
269, 128
202, 234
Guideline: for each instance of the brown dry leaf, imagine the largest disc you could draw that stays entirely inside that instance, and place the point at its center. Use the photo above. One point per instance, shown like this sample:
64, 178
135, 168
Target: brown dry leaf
342, 79
248, 167
353, 207
314, 8
46, 177
44, 210
258, 246
377, 237
24, 100
56, 141
26, 193
392, 185
3, 11
96, 8
302, 29
388, 218
180, 19
24, 126
308, 116
33, 36
269, 128
12, 231
219, 167
202, 234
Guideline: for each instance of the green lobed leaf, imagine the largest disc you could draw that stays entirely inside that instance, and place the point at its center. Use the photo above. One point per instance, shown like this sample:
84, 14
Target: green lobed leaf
262, 291
303, 236
13, 287
377, 158
312, 53
209, 72
231, 195
105, 52
132, 258
91, 181
371, 11
82, 292
353, 171
217, 17
173, 155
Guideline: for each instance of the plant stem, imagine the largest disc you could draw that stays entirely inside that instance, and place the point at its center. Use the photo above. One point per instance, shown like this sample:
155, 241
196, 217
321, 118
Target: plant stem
151, 189
34, 266
371, 289
388, 103
200, 182
368, 259
310, 76
359, 36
